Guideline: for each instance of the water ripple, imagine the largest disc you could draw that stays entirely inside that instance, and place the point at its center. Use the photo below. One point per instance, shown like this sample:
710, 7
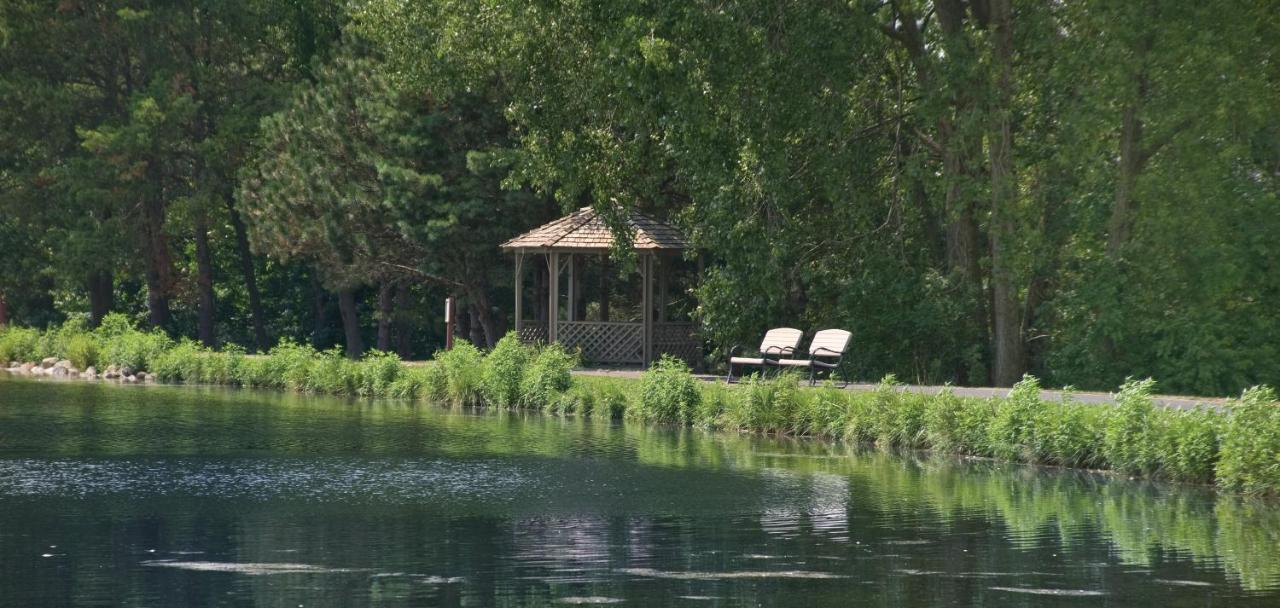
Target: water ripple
334, 478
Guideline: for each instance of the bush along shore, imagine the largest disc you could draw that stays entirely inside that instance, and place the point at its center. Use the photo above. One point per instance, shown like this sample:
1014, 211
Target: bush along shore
1235, 447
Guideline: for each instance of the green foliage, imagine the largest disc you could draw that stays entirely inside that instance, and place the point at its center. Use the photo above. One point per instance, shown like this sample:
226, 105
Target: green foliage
135, 349
18, 344
1250, 454
668, 392
1188, 442
1127, 438
504, 369
458, 380
376, 373
547, 376
1011, 434
411, 383
766, 404
82, 350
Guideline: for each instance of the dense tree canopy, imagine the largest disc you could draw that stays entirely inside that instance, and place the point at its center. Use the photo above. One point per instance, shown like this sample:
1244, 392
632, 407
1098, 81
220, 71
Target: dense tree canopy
976, 188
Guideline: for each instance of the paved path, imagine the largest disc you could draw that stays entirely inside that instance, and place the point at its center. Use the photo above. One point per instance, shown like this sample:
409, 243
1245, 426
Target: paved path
1175, 402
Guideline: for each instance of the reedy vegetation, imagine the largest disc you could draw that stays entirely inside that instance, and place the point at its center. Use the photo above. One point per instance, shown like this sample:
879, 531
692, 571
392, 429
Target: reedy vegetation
1236, 447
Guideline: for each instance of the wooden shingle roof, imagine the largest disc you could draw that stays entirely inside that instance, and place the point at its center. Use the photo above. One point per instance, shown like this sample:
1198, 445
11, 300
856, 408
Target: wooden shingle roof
585, 230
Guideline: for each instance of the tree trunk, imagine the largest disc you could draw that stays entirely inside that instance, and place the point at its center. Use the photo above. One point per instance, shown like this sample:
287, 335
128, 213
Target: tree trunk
385, 310
400, 324
319, 312
101, 295
250, 278
159, 263
477, 334
4, 312
350, 323
204, 282
1120, 224
1007, 341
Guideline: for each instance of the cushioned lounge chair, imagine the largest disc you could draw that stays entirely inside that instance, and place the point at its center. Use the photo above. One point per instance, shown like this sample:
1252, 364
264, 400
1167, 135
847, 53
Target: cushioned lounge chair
826, 351
778, 343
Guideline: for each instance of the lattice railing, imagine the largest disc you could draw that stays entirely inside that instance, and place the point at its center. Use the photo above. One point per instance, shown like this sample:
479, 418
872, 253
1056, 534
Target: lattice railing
532, 332
679, 340
604, 342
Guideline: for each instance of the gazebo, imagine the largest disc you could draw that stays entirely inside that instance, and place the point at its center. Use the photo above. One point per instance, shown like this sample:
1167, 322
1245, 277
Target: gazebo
567, 246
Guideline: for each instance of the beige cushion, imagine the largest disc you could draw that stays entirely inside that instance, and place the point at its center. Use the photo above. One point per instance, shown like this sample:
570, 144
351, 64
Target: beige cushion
792, 362
745, 361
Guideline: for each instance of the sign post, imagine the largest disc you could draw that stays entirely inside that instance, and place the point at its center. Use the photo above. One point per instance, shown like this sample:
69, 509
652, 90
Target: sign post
448, 323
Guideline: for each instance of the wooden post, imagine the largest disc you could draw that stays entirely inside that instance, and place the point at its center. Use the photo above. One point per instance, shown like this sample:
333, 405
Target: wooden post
450, 311
573, 288
646, 307
663, 271
553, 316
604, 287
519, 296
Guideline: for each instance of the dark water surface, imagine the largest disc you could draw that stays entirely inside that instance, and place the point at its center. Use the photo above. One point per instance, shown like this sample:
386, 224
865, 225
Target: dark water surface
170, 496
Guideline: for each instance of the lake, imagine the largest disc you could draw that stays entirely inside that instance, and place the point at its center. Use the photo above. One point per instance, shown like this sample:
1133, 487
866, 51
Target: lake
180, 496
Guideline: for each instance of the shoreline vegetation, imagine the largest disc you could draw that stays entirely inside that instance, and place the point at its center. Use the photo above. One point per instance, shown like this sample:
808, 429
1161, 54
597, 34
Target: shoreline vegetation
1235, 448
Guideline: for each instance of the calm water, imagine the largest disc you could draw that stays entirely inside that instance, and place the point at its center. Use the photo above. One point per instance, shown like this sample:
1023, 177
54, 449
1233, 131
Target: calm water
168, 496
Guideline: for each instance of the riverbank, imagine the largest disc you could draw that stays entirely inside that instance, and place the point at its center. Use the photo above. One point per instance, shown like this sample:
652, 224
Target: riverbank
1233, 446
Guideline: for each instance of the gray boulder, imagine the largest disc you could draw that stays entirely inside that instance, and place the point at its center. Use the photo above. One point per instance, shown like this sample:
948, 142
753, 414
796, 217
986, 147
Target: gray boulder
25, 368
48, 362
125, 370
59, 372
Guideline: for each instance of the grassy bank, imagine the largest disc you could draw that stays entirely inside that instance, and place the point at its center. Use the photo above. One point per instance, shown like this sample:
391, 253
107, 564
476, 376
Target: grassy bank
1236, 448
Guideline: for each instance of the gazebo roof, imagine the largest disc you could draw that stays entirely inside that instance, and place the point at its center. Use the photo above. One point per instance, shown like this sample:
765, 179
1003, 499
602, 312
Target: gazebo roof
585, 230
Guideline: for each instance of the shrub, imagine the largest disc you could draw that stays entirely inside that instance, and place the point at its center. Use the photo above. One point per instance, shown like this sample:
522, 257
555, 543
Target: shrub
668, 392
942, 423
610, 402
1065, 433
18, 344
548, 375
82, 350
715, 401
114, 324
872, 417
1189, 443
1126, 445
331, 373
765, 404
178, 364
1249, 460
458, 379
222, 367
135, 349
411, 383
376, 372
54, 342
504, 369
1011, 432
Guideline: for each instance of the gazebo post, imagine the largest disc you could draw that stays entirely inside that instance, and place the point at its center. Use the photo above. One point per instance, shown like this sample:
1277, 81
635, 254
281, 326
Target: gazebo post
519, 288
573, 289
646, 306
663, 271
553, 306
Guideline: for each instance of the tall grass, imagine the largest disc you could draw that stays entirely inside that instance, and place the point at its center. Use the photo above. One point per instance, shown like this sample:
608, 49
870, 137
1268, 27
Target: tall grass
1236, 447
